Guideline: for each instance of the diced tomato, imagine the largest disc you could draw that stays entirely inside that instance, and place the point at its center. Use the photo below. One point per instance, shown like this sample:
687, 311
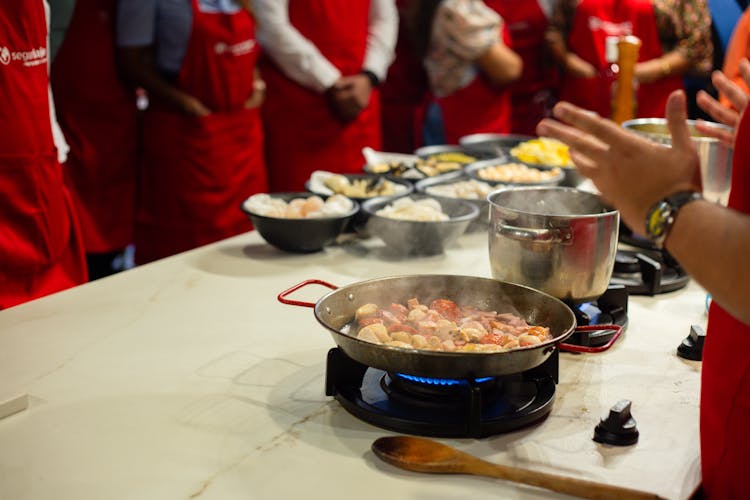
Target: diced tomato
369, 321
401, 327
447, 309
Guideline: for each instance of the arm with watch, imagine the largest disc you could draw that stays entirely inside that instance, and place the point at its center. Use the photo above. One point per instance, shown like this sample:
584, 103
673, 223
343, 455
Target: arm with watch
656, 190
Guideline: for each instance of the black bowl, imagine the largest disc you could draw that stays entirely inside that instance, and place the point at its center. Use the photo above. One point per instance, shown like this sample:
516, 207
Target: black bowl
408, 237
482, 221
300, 235
472, 171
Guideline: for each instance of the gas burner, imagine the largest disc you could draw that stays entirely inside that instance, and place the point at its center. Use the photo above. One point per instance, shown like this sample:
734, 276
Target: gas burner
648, 272
600, 323
442, 407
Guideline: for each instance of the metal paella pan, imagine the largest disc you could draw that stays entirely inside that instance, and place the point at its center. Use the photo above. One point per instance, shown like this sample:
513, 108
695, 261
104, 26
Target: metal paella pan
335, 311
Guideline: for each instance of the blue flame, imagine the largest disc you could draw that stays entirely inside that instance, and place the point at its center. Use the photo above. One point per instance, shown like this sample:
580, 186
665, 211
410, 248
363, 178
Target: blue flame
440, 381
591, 311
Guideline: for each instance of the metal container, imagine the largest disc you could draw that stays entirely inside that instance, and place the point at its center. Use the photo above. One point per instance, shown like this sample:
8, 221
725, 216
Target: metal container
715, 156
561, 241
491, 144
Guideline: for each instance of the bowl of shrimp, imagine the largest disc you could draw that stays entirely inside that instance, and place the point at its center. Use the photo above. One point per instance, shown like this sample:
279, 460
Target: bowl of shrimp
299, 222
418, 224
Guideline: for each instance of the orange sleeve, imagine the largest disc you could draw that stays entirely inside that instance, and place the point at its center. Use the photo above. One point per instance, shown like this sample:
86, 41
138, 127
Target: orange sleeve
739, 48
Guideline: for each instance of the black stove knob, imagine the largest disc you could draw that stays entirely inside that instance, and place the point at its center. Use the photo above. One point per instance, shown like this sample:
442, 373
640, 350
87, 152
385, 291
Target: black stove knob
619, 428
692, 347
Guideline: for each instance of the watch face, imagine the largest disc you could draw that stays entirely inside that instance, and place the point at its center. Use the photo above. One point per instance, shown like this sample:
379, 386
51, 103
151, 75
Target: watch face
658, 221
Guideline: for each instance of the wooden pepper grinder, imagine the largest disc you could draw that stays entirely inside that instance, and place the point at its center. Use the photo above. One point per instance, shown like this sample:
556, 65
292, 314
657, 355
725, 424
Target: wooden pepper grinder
624, 103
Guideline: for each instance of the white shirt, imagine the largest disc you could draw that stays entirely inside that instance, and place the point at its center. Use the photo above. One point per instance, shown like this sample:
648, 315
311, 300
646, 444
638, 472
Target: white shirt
301, 60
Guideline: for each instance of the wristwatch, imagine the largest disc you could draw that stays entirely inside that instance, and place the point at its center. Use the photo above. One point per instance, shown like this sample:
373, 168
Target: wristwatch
662, 214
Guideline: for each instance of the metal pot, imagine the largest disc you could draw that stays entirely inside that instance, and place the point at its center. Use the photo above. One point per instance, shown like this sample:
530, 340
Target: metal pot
561, 241
335, 311
715, 156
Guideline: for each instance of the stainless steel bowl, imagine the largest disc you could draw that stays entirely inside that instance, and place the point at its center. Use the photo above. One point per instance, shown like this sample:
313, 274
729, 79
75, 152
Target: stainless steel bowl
715, 156
411, 238
492, 144
561, 241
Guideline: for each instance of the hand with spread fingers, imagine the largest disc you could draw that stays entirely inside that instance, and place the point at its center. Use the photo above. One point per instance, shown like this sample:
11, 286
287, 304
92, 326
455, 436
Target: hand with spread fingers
728, 116
631, 172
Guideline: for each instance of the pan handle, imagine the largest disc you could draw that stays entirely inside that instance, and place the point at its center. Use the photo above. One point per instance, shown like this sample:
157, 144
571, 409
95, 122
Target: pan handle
282, 297
593, 328
533, 234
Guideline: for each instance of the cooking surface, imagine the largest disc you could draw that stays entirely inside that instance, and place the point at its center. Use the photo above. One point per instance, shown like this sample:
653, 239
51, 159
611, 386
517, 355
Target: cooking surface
185, 378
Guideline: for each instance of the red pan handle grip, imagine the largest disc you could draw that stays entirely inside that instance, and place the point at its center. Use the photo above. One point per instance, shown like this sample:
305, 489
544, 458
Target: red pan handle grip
282, 297
593, 328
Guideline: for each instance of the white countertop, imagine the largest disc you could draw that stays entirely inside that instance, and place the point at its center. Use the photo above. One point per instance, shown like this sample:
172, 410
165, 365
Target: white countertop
186, 379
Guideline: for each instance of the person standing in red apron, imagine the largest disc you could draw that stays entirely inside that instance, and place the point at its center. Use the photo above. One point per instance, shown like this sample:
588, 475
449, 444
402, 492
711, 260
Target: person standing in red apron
41, 250
202, 133
325, 61
675, 36
403, 90
711, 243
98, 117
469, 66
532, 95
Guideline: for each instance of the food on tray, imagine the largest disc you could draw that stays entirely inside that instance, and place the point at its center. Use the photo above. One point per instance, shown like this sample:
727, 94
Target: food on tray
298, 208
425, 209
445, 326
470, 189
430, 166
328, 183
543, 151
517, 173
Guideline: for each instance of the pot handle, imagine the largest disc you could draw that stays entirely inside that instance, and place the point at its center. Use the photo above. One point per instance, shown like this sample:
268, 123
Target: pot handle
531, 234
593, 328
282, 297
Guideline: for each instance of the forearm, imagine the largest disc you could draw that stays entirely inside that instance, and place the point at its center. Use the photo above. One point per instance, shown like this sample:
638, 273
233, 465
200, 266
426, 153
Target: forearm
500, 64
670, 64
295, 55
135, 66
381, 37
711, 242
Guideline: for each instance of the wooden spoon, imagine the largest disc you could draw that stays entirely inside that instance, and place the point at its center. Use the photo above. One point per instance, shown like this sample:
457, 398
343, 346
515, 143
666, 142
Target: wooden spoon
426, 455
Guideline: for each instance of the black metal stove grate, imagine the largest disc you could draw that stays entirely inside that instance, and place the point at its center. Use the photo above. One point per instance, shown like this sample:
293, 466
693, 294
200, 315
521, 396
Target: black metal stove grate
458, 408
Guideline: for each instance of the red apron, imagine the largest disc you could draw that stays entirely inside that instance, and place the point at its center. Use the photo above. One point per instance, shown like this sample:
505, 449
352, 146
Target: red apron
532, 95
196, 171
725, 376
480, 107
302, 133
41, 251
403, 91
594, 21
98, 116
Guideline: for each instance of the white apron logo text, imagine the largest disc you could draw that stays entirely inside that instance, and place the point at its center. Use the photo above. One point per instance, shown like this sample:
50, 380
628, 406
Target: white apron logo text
238, 49
31, 57
610, 28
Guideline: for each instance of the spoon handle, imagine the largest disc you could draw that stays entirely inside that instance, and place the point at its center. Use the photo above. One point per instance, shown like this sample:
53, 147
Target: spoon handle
568, 485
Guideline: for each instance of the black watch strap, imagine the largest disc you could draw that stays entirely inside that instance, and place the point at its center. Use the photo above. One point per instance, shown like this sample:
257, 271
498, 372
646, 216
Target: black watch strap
662, 214
374, 80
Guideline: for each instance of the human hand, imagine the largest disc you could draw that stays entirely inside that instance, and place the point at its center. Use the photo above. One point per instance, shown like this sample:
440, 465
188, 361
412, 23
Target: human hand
631, 172
349, 96
258, 95
717, 111
579, 68
192, 106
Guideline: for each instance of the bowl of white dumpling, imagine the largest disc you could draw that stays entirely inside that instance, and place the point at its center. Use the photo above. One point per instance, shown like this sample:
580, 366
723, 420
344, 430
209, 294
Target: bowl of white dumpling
299, 222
